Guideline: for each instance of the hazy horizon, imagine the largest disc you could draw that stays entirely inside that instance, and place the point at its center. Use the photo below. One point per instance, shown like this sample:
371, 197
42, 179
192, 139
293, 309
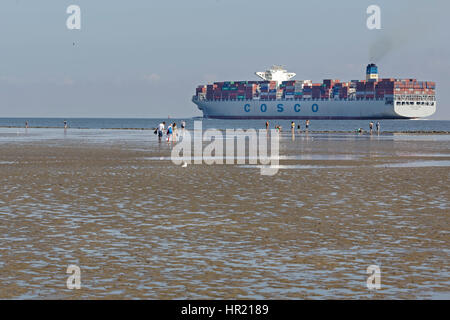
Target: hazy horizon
144, 59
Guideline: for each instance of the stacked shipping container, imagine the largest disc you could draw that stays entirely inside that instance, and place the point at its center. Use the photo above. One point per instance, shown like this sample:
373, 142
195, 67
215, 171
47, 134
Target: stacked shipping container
292, 89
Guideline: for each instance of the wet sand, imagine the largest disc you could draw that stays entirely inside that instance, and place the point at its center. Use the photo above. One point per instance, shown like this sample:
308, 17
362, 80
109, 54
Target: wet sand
141, 227
311, 131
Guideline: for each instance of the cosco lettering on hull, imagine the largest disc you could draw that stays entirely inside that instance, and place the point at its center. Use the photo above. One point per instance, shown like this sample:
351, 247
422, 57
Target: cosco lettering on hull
281, 107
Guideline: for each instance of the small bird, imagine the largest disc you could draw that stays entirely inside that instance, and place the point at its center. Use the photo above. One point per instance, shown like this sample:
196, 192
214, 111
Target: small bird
184, 165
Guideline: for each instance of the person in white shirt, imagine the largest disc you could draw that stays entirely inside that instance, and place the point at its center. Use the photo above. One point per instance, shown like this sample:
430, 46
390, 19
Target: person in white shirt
160, 129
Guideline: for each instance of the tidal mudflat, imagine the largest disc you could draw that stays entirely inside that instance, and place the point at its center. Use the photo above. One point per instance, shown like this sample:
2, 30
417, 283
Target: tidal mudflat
138, 226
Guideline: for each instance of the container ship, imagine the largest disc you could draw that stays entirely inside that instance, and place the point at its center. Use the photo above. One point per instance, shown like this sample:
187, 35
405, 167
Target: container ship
277, 96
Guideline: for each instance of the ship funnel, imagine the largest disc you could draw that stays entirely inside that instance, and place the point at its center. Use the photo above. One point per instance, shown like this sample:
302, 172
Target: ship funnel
372, 72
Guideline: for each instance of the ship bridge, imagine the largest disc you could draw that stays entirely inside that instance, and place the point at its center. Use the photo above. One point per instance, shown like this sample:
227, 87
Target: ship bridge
276, 73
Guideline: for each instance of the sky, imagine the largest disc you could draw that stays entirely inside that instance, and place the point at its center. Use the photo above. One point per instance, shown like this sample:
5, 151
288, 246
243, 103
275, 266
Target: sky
144, 58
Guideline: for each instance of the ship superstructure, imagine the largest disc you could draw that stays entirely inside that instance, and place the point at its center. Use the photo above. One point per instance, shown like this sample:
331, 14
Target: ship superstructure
276, 73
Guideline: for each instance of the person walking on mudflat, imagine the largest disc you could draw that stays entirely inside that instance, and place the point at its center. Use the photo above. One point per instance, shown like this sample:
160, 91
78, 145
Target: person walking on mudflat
175, 132
371, 127
169, 132
160, 130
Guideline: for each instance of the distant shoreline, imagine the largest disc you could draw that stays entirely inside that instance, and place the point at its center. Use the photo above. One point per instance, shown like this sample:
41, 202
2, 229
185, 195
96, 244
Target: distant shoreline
285, 131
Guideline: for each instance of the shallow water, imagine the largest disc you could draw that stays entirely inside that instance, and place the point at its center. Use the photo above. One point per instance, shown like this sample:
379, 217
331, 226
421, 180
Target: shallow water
146, 136
315, 125
112, 202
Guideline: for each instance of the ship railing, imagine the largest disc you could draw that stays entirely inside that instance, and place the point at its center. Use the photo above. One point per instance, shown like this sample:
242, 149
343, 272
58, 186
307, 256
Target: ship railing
195, 98
415, 97
284, 99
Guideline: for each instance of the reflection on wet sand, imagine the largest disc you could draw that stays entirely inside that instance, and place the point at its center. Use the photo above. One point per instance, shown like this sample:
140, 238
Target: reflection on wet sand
140, 227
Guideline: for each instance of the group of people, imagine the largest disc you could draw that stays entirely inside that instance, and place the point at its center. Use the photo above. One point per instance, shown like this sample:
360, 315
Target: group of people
378, 127
371, 126
307, 123
171, 132
278, 128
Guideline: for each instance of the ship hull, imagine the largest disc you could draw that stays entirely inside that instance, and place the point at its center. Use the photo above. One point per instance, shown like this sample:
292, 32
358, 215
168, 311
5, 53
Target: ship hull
312, 109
